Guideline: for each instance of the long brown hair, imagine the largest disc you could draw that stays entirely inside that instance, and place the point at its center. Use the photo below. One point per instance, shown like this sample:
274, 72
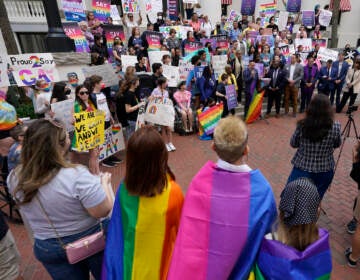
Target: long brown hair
125, 86
146, 163
297, 236
41, 157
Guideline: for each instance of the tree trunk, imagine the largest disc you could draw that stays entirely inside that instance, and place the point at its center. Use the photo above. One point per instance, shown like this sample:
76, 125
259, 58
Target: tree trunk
6, 30
335, 23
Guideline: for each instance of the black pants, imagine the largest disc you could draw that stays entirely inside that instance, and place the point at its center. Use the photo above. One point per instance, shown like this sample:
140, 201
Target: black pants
344, 99
335, 94
274, 96
240, 86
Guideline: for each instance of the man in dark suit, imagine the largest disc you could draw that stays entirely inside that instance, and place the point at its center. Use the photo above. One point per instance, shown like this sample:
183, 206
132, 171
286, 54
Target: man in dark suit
251, 77
276, 86
308, 83
341, 68
327, 78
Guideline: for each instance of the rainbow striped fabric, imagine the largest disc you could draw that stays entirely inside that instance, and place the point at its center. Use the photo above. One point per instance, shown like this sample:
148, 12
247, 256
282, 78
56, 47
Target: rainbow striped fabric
209, 118
279, 261
8, 118
254, 111
224, 219
141, 235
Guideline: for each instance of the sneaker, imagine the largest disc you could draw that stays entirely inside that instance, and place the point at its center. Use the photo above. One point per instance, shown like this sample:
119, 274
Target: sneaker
108, 163
168, 148
350, 262
171, 146
351, 226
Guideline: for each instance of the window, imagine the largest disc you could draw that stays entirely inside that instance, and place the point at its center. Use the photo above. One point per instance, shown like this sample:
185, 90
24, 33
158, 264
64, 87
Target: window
32, 42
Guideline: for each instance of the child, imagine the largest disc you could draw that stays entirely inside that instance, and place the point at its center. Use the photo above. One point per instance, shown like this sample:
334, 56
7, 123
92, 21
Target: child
15, 150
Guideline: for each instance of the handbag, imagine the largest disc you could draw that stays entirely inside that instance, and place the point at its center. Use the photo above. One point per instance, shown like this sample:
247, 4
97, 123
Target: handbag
82, 248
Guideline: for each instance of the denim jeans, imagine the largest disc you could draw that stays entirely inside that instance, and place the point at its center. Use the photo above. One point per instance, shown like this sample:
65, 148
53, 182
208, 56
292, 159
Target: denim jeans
322, 180
53, 257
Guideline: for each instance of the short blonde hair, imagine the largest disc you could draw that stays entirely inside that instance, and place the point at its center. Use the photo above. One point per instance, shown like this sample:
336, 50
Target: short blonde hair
230, 139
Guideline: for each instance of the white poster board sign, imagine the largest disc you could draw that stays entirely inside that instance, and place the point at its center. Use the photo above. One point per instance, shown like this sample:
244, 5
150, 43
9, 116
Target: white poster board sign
106, 71
114, 142
172, 74
282, 21
156, 56
140, 122
154, 7
325, 54
160, 111
306, 43
4, 78
325, 17
128, 60
219, 62
184, 68
114, 13
64, 112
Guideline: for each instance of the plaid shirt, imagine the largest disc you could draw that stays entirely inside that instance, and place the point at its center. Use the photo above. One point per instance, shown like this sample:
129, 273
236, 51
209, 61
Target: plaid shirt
315, 156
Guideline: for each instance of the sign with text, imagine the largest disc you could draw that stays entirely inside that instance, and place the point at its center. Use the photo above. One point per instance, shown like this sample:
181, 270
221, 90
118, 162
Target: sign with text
64, 112
89, 130
320, 42
283, 19
172, 74
128, 60
4, 78
308, 18
325, 17
73, 31
114, 142
184, 68
293, 6
130, 6
248, 7
219, 62
140, 122
160, 111
73, 10
325, 54
306, 43
112, 31
191, 47
101, 9
28, 68
106, 71
231, 97
154, 40
156, 56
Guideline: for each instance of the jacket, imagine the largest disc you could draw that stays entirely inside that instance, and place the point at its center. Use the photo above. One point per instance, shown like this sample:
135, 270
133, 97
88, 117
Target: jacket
326, 84
356, 81
344, 69
280, 79
298, 73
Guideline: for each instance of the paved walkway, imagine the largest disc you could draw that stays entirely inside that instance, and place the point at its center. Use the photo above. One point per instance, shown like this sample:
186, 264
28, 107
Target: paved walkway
271, 153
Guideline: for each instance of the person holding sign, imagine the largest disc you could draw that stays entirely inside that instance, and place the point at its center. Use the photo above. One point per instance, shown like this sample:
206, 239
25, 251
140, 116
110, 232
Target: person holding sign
183, 100
42, 98
161, 92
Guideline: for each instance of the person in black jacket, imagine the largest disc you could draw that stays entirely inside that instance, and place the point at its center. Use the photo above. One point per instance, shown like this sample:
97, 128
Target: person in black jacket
99, 47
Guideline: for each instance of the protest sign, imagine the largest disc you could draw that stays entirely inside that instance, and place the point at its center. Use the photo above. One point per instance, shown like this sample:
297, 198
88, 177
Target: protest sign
231, 97
248, 7
287, 51
282, 20
320, 42
198, 71
246, 60
267, 11
156, 56
101, 9
260, 68
184, 68
191, 47
252, 36
325, 17
212, 42
325, 54
154, 40
64, 112
172, 6
308, 18
130, 6
89, 130
112, 31
114, 142
73, 10
27, 68
154, 7
181, 31
4, 78
73, 31
114, 13
172, 74
191, 1
269, 39
140, 122
106, 71
219, 62
128, 60
306, 43
293, 6
160, 111
223, 46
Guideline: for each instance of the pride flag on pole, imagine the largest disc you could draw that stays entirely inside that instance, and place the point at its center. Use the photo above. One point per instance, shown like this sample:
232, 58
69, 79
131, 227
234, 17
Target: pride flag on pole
142, 234
254, 111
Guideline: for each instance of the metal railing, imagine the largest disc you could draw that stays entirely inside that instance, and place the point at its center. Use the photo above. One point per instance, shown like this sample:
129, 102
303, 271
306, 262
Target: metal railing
21, 11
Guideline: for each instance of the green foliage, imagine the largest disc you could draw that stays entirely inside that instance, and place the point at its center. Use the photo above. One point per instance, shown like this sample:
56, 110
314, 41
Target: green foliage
25, 110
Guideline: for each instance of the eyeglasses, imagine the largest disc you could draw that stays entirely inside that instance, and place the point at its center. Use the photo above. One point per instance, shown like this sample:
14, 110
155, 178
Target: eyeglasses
83, 92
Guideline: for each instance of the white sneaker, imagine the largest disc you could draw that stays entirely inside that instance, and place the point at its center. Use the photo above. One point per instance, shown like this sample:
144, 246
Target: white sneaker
168, 148
171, 146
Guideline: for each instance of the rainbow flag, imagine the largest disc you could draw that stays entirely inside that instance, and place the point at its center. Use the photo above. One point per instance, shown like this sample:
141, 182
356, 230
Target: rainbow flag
142, 234
101, 9
209, 118
279, 261
254, 111
8, 118
224, 219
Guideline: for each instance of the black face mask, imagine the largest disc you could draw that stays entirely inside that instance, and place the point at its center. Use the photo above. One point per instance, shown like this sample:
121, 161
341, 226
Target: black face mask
347, 49
199, 64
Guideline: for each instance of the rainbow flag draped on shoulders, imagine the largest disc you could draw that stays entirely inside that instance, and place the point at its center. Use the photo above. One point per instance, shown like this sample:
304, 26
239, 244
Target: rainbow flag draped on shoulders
279, 261
141, 234
224, 219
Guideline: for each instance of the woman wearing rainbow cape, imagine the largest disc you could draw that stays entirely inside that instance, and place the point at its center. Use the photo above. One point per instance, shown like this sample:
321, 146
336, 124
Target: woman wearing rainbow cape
146, 213
227, 211
298, 250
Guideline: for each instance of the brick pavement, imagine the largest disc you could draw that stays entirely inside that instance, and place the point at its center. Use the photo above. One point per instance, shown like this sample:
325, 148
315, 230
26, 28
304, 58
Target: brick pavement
271, 153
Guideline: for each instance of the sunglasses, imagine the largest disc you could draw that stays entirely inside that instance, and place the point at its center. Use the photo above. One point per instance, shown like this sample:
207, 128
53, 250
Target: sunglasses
84, 92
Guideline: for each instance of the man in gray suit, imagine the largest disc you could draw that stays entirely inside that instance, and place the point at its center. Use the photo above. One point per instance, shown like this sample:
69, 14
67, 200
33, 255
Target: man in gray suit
294, 75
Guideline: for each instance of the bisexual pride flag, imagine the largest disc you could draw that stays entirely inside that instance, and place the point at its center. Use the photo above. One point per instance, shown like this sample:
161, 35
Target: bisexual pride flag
279, 261
224, 219
142, 234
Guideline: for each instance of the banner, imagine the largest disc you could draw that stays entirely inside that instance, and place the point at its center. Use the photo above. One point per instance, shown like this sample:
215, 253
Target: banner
308, 18
212, 41
160, 111
130, 6
153, 7
73, 31
64, 112
231, 97
320, 42
172, 6
112, 31
325, 54
128, 60
172, 74
106, 71
181, 31
184, 69
156, 56
325, 17
154, 40
223, 46
114, 142
4, 78
219, 62
282, 20
191, 47
140, 122
306, 43
30, 67
248, 7
293, 6
73, 10
89, 130
101, 9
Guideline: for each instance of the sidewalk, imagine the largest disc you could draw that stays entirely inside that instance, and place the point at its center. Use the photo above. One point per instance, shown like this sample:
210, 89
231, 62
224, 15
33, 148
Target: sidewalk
271, 153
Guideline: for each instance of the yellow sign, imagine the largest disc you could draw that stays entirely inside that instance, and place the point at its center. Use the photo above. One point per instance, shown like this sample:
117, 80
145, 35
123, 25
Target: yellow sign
89, 130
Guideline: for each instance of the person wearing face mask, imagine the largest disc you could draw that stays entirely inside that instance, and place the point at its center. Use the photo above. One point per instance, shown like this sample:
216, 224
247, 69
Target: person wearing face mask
72, 83
159, 21
301, 33
41, 100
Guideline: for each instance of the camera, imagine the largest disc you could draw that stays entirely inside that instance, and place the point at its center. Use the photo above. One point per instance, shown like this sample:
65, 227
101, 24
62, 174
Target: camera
351, 109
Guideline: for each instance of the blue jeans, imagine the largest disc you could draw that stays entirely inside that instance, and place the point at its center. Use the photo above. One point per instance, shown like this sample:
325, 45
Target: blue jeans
53, 257
322, 180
